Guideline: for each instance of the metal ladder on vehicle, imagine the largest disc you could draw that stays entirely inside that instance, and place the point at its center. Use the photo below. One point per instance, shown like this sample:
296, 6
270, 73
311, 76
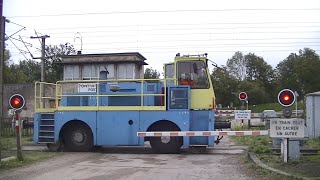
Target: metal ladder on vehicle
46, 130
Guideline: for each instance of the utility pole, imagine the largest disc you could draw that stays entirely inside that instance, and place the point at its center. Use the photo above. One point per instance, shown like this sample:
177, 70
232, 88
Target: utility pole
43, 57
43, 54
2, 33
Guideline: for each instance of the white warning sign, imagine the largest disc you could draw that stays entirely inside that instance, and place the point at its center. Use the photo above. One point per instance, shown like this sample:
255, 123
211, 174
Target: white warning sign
287, 128
242, 114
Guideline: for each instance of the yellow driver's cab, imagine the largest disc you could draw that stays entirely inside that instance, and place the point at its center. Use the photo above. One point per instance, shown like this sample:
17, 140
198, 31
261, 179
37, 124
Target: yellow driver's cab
193, 70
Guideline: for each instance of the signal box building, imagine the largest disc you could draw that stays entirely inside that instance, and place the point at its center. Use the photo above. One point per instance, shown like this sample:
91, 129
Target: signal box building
103, 66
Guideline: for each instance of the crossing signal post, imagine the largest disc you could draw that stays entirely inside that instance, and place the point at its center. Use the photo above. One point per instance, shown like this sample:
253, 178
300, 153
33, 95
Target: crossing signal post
17, 102
286, 98
292, 128
244, 99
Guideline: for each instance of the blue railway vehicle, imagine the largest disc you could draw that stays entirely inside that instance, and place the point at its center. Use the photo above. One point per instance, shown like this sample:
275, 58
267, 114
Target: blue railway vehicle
169, 113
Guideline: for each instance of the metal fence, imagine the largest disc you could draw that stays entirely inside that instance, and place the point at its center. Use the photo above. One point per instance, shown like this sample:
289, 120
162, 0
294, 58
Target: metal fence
8, 127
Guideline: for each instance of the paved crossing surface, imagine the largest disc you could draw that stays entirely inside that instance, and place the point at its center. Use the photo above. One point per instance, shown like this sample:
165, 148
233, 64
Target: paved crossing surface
136, 163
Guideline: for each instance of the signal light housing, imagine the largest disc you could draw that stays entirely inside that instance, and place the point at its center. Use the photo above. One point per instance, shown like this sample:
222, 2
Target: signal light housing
243, 96
286, 97
16, 101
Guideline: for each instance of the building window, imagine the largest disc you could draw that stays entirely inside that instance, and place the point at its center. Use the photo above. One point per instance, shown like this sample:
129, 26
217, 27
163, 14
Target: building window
90, 72
125, 71
93, 71
71, 72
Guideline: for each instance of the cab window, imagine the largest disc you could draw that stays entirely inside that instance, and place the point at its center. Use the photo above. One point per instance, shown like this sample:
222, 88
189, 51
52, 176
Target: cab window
193, 73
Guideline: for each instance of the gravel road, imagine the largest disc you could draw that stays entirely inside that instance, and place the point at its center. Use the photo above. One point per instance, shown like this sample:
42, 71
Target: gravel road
136, 163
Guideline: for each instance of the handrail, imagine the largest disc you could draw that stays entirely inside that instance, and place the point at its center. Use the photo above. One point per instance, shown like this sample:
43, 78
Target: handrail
114, 80
41, 98
59, 94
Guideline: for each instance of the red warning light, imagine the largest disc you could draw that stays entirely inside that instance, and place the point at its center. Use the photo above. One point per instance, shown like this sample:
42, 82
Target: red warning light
243, 96
16, 101
286, 97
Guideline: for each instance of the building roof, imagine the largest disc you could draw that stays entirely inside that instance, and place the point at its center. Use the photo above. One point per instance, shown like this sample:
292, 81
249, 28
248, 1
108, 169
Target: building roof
314, 94
133, 57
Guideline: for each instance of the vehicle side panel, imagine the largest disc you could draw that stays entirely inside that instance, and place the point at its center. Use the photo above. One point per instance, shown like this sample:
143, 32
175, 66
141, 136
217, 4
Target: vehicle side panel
117, 128
202, 121
36, 127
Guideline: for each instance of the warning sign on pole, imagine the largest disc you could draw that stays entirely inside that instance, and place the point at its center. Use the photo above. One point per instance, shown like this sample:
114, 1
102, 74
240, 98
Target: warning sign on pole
242, 114
287, 128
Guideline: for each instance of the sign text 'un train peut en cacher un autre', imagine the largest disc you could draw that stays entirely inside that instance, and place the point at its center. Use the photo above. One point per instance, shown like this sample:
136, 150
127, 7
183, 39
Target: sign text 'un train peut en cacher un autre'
287, 128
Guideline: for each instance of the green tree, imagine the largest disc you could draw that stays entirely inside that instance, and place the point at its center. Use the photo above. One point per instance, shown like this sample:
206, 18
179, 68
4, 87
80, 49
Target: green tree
256, 91
151, 73
256, 77
32, 69
27, 71
16, 75
7, 76
258, 69
236, 66
11, 72
299, 72
225, 86
262, 74
54, 70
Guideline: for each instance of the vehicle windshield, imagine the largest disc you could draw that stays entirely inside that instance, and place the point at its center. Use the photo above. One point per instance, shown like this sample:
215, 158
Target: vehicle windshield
193, 73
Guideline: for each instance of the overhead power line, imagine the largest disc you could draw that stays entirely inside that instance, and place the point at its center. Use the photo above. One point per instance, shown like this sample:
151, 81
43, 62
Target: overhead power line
210, 51
311, 43
206, 51
184, 29
20, 50
161, 11
206, 40
191, 33
226, 44
192, 46
141, 43
176, 24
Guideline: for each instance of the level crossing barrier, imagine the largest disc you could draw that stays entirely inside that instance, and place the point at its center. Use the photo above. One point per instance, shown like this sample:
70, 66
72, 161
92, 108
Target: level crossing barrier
203, 133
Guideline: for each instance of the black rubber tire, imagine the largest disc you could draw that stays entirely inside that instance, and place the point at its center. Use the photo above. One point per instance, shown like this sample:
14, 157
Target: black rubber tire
172, 147
55, 147
72, 144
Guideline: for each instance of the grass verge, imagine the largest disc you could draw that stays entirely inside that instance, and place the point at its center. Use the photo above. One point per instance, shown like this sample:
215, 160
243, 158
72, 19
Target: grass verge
274, 106
313, 143
8, 144
260, 172
28, 158
307, 165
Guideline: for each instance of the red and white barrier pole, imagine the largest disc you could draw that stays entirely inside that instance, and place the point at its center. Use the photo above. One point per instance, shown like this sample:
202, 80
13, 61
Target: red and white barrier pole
16, 116
18, 133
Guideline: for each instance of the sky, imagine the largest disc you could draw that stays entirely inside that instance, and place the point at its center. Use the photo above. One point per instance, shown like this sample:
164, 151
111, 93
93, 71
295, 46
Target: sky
160, 29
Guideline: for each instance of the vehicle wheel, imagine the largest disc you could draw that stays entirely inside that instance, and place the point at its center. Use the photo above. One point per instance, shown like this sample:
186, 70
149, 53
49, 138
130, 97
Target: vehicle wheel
166, 144
55, 147
78, 137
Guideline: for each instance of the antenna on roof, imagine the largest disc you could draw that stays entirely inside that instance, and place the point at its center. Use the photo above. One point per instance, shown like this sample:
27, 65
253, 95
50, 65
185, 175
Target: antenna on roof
78, 36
